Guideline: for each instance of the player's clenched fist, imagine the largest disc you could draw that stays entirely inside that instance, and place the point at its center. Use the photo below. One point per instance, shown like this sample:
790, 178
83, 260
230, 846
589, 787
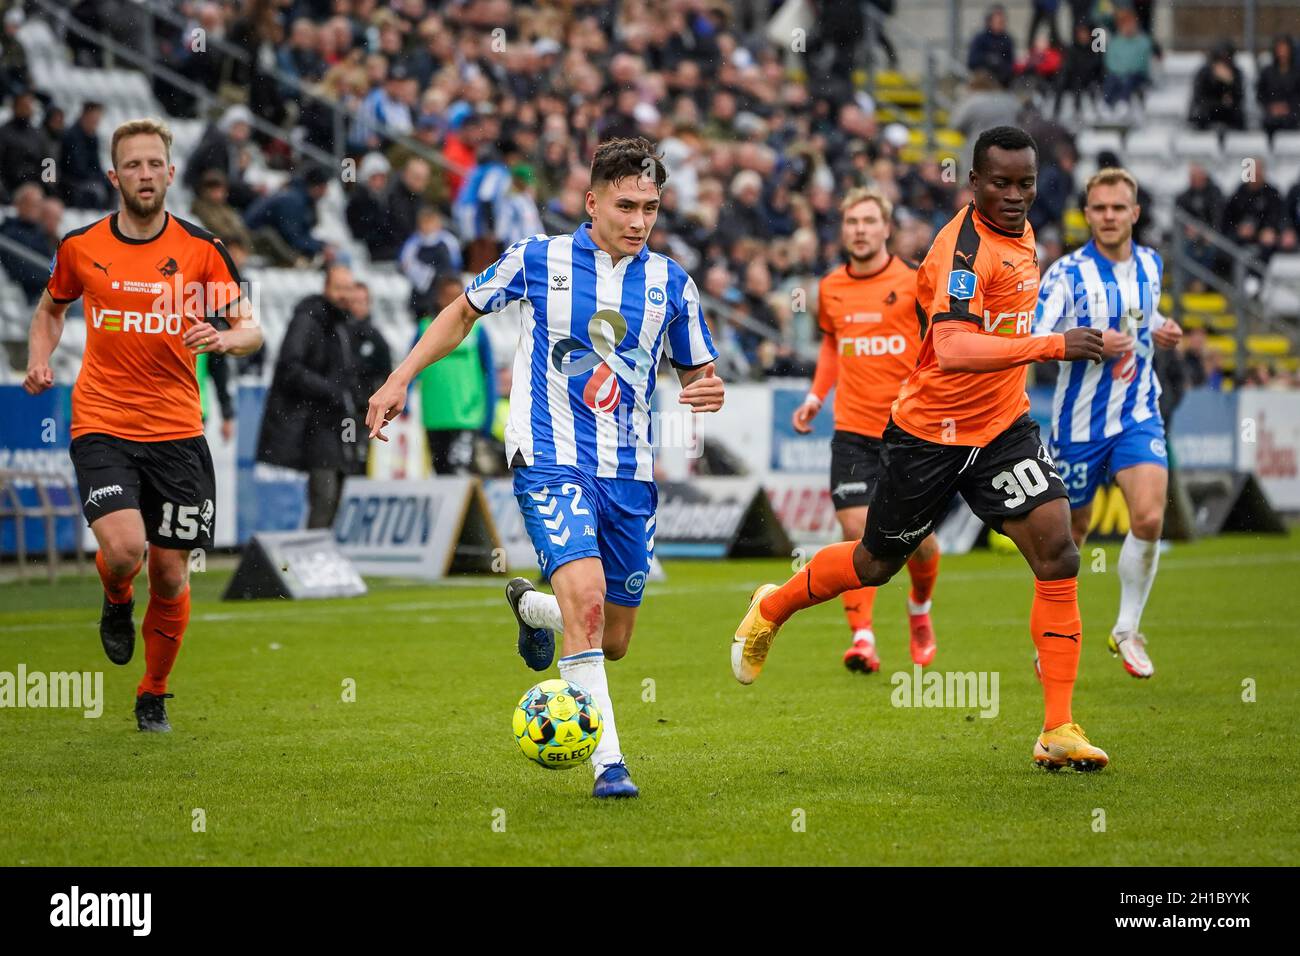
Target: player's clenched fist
703, 394
385, 405
39, 378
1083, 344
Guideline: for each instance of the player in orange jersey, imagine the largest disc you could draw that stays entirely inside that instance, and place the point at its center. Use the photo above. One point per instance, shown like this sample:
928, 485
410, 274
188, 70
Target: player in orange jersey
871, 328
961, 425
157, 291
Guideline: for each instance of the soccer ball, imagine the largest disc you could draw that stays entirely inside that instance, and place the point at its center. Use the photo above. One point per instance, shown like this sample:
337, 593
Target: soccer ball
557, 724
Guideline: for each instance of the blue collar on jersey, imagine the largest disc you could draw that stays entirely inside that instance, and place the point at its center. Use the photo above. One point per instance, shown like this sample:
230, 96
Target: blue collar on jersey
582, 239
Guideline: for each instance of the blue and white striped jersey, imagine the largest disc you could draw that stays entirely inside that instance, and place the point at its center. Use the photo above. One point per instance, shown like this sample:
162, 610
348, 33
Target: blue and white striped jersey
1097, 400
590, 340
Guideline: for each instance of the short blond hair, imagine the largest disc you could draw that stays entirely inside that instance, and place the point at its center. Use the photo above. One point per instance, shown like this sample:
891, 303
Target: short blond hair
138, 127
1111, 176
867, 194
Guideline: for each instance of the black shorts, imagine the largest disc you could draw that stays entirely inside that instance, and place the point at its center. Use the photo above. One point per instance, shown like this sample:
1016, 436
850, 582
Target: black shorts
856, 465
171, 483
1008, 478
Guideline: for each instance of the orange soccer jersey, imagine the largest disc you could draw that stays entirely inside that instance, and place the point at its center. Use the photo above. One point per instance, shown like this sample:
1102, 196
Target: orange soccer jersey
876, 327
137, 378
977, 273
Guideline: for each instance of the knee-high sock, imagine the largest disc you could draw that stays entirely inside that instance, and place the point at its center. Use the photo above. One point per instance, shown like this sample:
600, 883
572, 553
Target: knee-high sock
923, 574
857, 608
163, 631
541, 610
1137, 570
1057, 630
829, 573
587, 669
119, 589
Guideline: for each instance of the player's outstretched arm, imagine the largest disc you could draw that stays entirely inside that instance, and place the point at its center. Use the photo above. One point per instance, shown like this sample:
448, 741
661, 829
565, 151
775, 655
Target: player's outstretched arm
440, 339
701, 388
47, 329
960, 347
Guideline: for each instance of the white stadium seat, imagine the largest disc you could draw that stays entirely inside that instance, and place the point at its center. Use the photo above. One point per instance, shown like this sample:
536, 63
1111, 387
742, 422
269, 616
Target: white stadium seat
1202, 147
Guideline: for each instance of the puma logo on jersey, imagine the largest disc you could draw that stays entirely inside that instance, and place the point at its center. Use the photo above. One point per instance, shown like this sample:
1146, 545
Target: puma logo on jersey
891, 298
103, 269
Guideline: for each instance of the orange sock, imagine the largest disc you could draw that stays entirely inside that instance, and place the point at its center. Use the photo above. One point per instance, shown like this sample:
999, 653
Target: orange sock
923, 574
857, 607
164, 627
1057, 630
118, 589
829, 573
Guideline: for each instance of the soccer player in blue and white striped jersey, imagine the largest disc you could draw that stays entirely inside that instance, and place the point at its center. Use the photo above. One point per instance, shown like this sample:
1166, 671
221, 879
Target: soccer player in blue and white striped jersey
597, 309
1105, 417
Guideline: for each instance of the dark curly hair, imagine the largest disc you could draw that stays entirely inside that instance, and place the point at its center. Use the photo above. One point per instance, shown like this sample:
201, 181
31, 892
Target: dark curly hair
619, 158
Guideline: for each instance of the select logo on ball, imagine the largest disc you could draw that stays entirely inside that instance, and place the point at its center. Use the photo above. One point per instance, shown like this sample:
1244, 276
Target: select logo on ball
557, 724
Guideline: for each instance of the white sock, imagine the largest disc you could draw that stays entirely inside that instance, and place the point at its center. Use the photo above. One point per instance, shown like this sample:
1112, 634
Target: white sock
587, 669
864, 634
1137, 570
922, 608
541, 610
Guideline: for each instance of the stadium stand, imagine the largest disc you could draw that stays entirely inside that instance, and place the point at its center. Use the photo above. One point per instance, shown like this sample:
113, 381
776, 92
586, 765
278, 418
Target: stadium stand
716, 83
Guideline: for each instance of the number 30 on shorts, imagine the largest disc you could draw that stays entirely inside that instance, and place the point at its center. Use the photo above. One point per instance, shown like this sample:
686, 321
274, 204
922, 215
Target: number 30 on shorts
1022, 482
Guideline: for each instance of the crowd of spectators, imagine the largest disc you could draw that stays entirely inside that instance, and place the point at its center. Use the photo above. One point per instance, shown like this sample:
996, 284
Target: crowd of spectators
511, 99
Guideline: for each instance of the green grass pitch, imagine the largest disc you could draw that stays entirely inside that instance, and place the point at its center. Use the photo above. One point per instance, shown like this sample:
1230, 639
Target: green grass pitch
809, 765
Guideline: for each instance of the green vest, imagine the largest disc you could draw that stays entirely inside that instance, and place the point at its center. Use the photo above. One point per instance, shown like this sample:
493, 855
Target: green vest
453, 394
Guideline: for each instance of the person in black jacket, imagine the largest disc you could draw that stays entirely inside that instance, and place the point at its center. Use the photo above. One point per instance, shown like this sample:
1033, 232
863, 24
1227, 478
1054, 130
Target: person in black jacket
219, 149
1082, 72
26, 229
305, 425
1218, 92
23, 146
372, 360
81, 175
1255, 215
993, 50
1278, 89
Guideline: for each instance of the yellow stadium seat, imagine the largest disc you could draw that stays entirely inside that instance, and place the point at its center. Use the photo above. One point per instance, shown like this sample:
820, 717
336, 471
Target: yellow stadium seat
1268, 345
1225, 345
1208, 302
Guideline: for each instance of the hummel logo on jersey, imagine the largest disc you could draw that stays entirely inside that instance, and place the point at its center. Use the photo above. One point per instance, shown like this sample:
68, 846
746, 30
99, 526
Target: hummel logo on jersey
559, 283
1069, 637
891, 298
98, 493
168, 266
103, 269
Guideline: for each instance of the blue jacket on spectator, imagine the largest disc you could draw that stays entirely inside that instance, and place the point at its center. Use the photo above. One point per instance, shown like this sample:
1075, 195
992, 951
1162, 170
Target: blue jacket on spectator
291, 213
